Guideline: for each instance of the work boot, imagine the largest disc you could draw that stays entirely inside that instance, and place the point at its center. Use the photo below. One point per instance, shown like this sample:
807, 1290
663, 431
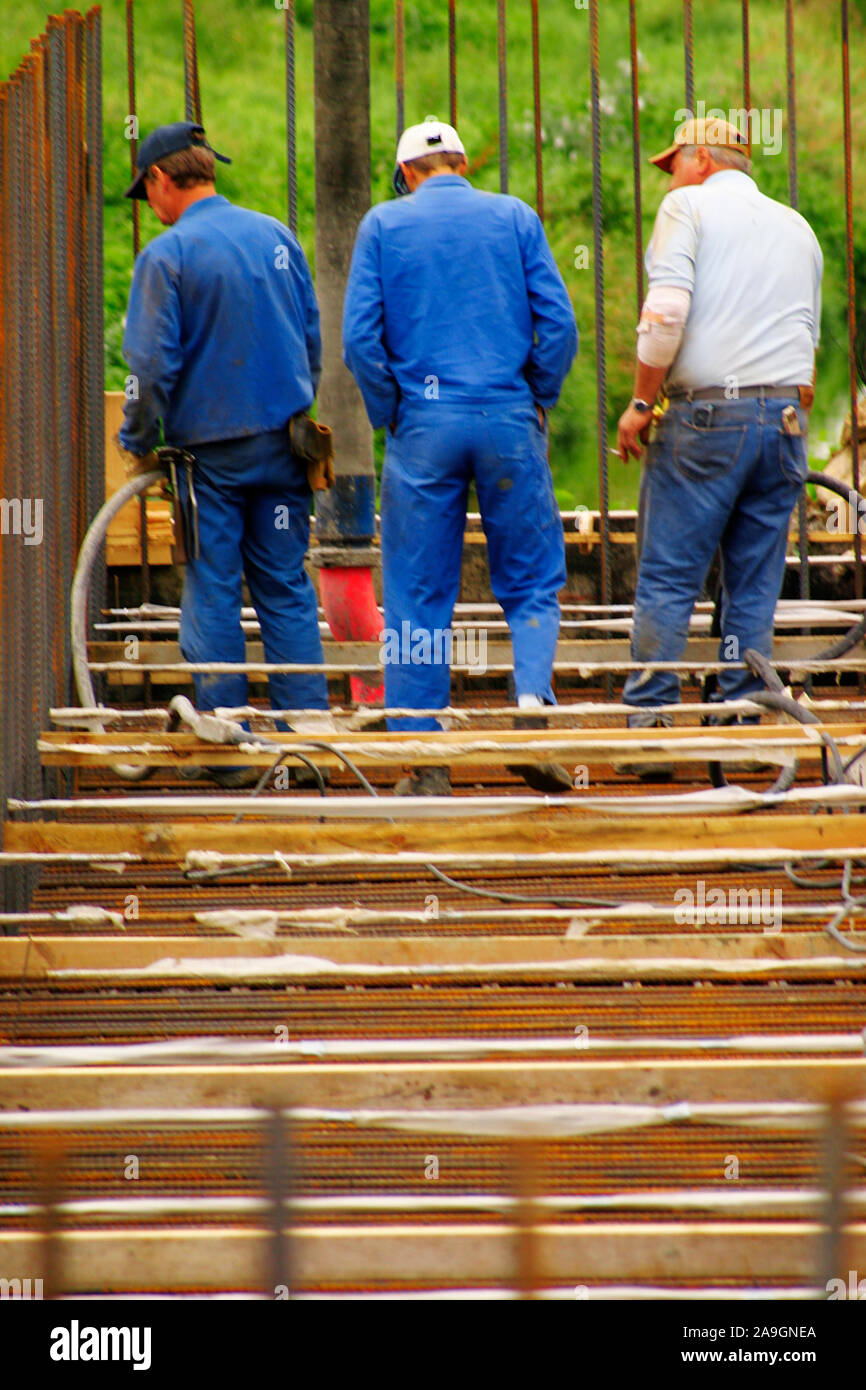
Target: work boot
425, 781
541, 777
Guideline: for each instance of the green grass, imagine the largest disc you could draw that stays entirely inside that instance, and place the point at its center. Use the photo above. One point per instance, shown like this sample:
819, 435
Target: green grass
241, 60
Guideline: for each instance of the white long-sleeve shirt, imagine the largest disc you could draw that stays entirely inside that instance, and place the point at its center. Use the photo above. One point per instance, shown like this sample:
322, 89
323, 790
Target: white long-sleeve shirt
753, 267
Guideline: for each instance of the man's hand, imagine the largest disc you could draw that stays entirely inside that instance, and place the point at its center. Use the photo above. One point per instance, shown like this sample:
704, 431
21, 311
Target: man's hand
541, 415
135, 464
632, 432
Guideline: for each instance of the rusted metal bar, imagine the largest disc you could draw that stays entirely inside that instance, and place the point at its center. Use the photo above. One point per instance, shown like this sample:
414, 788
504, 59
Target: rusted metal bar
452, 61
635, 148
131, 113
688, 47
791, 88
793, 199
291, 124
850, 285
144, 573
192, 95
278, 1277
526, 1165
833, 1256
536, 96
400, 64
49, 1158
502, 62
92, 322
598, 263
747, 66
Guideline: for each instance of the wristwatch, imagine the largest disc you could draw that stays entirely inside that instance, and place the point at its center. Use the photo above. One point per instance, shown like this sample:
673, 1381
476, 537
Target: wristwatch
641, 406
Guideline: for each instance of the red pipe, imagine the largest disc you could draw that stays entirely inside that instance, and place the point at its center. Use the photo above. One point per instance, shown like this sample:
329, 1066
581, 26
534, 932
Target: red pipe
349, 601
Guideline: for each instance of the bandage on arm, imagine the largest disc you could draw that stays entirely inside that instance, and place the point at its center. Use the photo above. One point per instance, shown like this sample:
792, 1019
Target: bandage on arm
662, 320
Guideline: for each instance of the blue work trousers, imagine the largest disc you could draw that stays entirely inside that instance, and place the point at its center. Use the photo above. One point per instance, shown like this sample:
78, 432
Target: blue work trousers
254, 521
430, 460
718, 474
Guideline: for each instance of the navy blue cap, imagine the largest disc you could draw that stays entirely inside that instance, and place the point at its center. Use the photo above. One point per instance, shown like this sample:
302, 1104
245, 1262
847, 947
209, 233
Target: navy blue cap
166, 140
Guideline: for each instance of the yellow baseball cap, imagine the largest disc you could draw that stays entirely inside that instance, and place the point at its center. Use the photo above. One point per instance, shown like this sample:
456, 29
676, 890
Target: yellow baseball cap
708, 132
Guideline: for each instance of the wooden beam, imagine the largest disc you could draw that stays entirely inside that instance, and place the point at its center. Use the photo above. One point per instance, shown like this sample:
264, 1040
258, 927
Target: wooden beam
458, 747
174, 1260
32, 957
575, 838
788, 648
413, 1085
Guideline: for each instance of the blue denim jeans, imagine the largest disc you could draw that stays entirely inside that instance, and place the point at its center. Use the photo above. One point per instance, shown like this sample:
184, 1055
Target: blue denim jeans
254, 521
430, 460
718, 474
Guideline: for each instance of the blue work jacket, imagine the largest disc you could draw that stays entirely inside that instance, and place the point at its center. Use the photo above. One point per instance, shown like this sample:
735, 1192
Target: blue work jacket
222, 330
454, 295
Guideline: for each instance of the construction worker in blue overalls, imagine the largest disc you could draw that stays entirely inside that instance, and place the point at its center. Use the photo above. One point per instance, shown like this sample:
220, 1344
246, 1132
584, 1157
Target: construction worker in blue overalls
222, 340
459, 331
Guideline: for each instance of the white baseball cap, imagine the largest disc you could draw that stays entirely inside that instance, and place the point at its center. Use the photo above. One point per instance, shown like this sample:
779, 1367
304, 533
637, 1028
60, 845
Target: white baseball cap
430, 137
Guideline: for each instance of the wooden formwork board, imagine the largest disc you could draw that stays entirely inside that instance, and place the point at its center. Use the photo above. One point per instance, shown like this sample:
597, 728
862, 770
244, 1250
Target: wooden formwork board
352, 1256
457, 747
496, 656
565, 836
33, 957
437, 1084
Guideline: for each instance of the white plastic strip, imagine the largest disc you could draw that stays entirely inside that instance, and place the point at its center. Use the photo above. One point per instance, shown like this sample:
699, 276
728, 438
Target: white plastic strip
390, 808
229, 1051
295, 967
762, 1201
495, 1122
557, 713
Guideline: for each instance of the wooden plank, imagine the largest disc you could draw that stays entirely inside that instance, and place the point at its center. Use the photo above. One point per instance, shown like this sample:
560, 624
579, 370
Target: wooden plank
474, 748
789, 647
706, 840
123, 539
356, 1256
43, 953
438, 1084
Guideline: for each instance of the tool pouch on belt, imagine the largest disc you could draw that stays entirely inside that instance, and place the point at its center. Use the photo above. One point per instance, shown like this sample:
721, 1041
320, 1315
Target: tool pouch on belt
184, 515
313, 444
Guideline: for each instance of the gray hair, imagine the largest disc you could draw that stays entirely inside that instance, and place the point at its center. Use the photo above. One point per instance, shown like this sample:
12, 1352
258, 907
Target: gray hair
730, 159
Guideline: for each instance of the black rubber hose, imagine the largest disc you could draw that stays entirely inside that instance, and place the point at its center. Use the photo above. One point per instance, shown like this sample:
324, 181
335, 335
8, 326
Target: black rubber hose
858, 631
774, 699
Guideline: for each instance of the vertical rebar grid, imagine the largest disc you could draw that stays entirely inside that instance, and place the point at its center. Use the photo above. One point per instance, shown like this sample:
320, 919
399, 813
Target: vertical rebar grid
688, 48
452, 61
291, 130
503, 95
536, 99
850, 283
400, 65
51, 385
598, 257
192, 95
635, 151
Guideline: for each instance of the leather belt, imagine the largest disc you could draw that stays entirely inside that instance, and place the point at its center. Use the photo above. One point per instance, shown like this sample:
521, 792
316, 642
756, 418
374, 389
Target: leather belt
722, 393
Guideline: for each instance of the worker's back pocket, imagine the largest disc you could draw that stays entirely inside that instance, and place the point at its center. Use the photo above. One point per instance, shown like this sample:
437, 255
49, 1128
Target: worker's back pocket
702, 454
793, 457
